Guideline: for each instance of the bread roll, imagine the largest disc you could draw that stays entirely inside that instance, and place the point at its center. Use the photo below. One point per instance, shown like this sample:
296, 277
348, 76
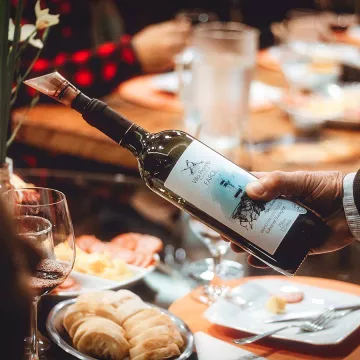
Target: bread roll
123, 296
130, 308
82, 309
157, 342
159, 354
73, 314
139, 317
104, 297
101, 338
147, 324
152, 333
76, 325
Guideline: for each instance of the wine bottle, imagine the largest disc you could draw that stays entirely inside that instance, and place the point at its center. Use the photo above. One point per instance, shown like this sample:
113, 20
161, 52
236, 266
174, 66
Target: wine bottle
206, 185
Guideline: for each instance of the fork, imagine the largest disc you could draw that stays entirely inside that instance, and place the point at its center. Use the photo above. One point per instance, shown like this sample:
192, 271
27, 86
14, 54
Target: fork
317, 324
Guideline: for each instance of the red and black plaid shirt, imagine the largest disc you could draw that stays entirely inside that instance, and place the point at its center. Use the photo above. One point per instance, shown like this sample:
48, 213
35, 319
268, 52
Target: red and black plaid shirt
69, 50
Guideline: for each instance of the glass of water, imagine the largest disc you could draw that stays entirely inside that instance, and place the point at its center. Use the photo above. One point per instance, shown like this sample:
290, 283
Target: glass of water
216, 99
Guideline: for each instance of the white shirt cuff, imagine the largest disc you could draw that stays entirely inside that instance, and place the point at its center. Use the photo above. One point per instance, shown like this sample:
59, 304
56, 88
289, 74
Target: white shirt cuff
351, 212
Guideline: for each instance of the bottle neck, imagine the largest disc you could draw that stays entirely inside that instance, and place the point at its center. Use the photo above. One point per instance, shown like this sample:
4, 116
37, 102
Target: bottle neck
135, 140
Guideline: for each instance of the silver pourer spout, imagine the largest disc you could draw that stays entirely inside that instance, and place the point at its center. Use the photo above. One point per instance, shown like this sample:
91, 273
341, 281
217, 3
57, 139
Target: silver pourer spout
55, 86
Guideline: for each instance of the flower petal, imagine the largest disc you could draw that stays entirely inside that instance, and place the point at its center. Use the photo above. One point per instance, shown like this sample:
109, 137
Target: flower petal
36, 43
26, 31
37, 8
11, 30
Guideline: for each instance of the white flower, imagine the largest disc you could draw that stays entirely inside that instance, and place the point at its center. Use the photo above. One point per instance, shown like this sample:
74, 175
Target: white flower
43, 18
27, 31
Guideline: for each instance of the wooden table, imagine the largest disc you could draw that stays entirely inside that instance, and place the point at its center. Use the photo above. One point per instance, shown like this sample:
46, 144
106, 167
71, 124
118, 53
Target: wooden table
59, 129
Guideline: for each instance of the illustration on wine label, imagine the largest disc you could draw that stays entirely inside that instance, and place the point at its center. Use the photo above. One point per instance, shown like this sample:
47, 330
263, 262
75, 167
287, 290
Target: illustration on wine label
217, 186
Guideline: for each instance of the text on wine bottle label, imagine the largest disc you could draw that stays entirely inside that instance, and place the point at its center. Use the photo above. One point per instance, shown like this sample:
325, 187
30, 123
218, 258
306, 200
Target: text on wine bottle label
217, 186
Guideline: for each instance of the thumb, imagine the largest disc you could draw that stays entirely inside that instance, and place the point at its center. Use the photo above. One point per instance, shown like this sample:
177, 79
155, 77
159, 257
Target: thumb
277, 183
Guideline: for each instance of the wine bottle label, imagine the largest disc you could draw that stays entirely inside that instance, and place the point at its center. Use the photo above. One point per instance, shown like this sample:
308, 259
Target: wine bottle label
216, 186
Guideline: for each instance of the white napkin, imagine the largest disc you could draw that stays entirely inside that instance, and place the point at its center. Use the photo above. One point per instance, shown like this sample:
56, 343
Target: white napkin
209, 348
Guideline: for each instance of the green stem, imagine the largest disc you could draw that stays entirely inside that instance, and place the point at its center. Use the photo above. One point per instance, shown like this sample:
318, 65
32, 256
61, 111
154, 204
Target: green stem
34, 101
22, 78
4, 76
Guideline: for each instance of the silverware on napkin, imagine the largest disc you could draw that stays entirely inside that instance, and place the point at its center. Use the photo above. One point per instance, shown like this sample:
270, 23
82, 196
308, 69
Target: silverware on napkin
306, 315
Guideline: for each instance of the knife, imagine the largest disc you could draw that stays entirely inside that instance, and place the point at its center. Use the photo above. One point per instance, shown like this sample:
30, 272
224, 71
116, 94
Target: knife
308, 315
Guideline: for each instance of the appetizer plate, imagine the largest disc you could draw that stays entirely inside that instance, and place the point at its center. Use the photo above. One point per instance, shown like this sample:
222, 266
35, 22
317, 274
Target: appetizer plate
334, 52
58, 334
91, 282
334, 105
261, 94
251, 320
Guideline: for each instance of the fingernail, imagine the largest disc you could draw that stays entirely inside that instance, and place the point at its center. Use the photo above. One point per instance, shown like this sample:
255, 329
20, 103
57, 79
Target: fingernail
256, 188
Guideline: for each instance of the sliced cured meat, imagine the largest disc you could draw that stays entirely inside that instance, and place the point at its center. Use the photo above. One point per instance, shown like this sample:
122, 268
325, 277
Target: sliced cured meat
127, 241
139, 258
98, 247
147, 260
139, 242
85, 242
69, 282
123, 254
148, 244
291, 294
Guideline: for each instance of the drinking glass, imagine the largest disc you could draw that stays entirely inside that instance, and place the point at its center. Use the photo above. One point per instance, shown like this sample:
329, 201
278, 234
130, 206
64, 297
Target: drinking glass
41, 216
216, 99
218, 271
305, 53
193, 17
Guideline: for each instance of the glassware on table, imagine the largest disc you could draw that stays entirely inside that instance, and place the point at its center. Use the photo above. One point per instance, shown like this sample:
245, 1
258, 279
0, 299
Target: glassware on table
217, 270
193, 17
41, 216
216, 99
306, 57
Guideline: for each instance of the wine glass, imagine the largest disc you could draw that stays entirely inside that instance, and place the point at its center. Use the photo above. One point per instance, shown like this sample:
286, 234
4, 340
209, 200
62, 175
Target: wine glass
217, 271
41, 216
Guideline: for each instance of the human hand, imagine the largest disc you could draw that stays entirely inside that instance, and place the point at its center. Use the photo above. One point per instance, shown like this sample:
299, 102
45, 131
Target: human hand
156, 45
321, 191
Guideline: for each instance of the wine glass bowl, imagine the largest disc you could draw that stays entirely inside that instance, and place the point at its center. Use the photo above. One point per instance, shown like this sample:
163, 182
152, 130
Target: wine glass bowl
41, 217
216, 270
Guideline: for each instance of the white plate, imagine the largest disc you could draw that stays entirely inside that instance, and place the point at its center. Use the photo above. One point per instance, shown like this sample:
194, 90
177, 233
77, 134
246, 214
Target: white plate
316, 299
336, 52
260, 93
91, 282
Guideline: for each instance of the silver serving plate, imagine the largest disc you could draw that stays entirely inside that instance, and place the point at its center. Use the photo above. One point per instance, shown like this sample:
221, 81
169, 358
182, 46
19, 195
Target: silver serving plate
58, 334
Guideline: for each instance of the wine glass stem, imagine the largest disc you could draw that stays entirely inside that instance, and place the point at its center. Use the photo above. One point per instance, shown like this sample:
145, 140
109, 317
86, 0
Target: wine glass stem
216, 280
34, 352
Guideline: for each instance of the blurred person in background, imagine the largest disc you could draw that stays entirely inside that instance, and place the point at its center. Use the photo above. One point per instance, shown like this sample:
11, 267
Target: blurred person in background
331, 194
90, 47
261, 14
17, 259
100, 43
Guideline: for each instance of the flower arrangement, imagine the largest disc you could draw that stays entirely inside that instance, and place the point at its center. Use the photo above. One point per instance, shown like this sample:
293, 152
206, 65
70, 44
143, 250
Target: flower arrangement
14, 39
